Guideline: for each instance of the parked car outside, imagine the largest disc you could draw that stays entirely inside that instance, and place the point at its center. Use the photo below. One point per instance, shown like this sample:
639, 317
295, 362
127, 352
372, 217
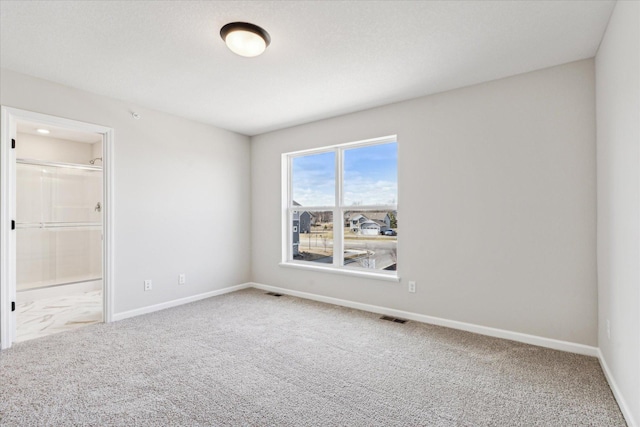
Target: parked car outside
389, 233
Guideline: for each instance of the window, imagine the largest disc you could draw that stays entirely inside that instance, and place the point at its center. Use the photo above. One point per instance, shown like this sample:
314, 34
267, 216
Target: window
341, 208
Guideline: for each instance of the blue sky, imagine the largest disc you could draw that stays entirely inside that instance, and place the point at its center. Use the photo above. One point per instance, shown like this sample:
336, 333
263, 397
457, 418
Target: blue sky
370, 177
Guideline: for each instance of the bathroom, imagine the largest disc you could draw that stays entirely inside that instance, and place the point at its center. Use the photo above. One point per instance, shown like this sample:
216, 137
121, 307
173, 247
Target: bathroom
59, 230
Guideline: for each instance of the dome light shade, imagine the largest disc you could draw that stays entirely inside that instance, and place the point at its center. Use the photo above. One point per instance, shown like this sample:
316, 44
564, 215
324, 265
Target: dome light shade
245, 39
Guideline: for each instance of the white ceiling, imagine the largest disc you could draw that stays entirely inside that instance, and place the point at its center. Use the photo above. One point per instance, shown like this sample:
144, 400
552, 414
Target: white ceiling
326, 57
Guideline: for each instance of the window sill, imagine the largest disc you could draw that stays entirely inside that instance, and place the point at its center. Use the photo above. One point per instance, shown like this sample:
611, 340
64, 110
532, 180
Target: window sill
342, 271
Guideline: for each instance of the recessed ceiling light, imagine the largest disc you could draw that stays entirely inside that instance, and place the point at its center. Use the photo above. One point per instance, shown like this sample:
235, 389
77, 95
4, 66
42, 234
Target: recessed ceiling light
43, 131
245, 39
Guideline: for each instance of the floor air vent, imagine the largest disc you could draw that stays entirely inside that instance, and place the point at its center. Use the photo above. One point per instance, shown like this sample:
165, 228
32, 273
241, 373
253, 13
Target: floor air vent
393, 319
273, 294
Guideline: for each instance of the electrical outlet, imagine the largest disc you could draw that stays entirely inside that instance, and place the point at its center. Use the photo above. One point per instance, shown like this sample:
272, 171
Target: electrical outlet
147, 285
182, 279
608, 329
412, 287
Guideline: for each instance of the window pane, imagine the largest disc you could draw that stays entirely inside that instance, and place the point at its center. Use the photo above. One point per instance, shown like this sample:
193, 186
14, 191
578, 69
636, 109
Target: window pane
371, 175
313, 236
313, 180
371, 240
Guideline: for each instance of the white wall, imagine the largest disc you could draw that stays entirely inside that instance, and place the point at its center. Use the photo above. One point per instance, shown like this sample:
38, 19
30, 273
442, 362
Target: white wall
181, 193
496, 202
54, 149
96, 152
618, 154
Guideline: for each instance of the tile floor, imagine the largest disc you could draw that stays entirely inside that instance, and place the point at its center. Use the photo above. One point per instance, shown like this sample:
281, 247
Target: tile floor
48, 316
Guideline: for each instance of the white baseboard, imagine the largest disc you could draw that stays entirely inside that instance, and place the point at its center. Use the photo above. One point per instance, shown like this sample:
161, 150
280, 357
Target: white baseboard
622, 403
469, 327
177, 302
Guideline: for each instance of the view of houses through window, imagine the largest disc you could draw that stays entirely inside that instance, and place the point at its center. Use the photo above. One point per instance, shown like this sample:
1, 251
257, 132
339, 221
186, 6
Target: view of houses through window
314, 241
353, 214
371, 239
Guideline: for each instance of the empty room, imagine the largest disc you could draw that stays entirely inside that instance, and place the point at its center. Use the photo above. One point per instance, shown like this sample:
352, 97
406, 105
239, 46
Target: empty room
320, 213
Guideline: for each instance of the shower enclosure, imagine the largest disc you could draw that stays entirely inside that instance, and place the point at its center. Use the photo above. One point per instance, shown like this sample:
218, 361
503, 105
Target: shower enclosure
56, 237
59, 228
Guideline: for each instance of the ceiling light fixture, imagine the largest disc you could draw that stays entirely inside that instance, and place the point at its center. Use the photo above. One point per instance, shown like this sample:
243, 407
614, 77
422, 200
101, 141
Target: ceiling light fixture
42, 131
245, 39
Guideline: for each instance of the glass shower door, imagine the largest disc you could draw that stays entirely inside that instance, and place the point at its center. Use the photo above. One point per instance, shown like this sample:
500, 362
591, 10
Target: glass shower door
59, 224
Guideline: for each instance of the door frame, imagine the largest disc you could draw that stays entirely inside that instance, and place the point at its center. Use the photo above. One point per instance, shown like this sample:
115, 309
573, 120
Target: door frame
8, 125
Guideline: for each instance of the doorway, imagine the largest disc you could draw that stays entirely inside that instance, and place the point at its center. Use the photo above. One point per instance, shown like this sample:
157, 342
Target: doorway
56, 190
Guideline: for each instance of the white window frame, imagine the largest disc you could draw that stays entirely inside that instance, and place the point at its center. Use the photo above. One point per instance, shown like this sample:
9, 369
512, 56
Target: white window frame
338, 210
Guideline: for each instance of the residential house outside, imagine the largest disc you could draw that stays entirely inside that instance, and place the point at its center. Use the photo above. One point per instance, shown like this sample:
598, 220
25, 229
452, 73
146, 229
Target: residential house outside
367, 223
307, 219
296, 233
355, 220
369, 228
302, 222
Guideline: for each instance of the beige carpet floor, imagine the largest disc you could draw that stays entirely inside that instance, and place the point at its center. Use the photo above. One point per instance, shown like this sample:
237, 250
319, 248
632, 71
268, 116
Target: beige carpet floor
247, 358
